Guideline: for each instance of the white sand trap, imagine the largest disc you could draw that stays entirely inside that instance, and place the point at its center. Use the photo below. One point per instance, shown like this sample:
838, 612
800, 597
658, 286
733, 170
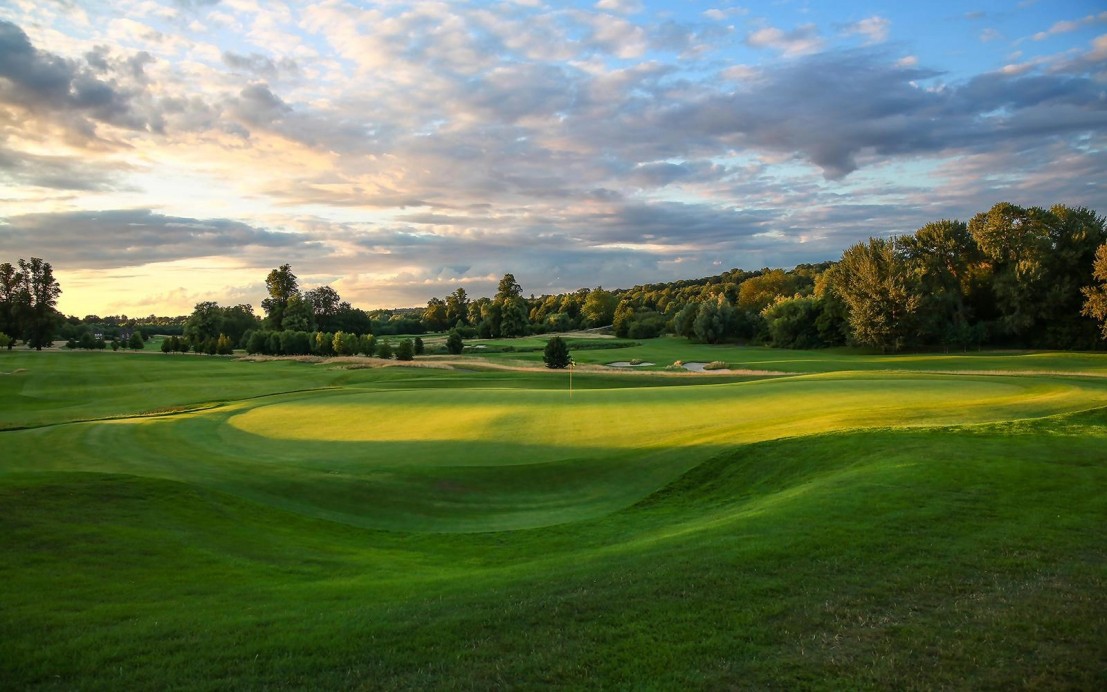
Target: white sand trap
627, 364
701, 367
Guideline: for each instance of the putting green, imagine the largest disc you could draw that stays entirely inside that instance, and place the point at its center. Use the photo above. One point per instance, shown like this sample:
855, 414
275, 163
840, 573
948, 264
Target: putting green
620, 419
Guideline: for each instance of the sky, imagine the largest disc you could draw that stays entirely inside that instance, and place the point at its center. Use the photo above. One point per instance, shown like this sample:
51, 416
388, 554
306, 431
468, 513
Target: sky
160, 153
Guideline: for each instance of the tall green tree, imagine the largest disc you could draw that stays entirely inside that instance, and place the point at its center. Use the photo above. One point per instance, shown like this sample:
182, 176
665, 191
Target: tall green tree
1095, 295
205, 322
714, 320
1015, 243
491, 319
684, 320
477, 309
1039, 260
238, 320
1075, 239
36, 301
11, 281
513, 318
299, 314
435, 316
281, 284
622, 318
599, 307
758, 292
325, 306
509, 288
881, 294
944, 258
793, 322
457, 307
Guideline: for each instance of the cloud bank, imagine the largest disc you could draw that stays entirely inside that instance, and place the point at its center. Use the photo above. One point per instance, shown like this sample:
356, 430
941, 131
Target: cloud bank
399, 149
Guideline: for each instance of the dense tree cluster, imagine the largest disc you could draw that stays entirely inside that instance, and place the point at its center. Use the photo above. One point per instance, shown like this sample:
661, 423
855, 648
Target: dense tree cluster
28, 299
89, 341
118, 327
1011, 276
299, 343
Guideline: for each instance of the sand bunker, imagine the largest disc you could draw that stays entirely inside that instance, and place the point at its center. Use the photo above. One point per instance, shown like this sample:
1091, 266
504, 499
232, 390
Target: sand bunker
702, 367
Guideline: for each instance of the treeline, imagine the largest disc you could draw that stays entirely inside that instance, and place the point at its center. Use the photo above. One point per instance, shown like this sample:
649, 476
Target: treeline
118, 327
97, 342
1009, 277
299, 343
296, 322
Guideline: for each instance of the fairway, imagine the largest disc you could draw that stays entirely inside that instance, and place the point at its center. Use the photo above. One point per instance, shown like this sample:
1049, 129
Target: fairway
862, 521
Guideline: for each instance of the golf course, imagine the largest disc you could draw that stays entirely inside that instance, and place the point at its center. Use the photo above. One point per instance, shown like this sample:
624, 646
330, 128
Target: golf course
826, 519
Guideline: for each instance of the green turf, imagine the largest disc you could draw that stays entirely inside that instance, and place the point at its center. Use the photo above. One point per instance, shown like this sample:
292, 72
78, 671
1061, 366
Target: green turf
185, 521
663, 352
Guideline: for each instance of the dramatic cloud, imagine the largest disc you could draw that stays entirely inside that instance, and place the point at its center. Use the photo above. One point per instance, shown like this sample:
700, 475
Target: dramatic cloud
39, 83
127, 238
57, 172
395, 150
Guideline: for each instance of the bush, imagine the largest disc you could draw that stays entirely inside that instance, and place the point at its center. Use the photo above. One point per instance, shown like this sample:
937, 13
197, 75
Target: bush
367, 345
716, 365
273, 344
405, 350
257, 343
556, 354
223, 345
454, 343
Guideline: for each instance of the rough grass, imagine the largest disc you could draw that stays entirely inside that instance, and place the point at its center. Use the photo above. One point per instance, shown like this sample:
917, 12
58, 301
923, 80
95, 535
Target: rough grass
412, 528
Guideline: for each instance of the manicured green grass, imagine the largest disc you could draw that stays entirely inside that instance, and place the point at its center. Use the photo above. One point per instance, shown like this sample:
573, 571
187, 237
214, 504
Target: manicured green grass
663, 352
874, 523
